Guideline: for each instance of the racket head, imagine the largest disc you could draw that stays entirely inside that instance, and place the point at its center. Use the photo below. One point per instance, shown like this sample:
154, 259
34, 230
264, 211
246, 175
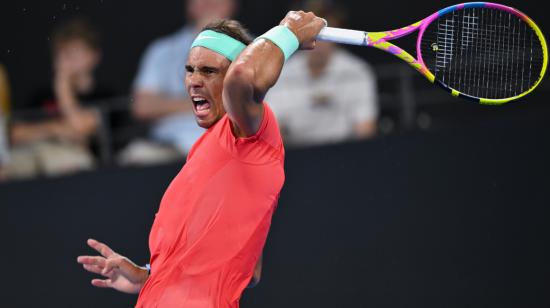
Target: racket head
483, 51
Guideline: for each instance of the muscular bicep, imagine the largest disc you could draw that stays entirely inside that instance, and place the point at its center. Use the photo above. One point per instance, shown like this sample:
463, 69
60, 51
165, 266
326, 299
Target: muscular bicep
247, 81
240, 104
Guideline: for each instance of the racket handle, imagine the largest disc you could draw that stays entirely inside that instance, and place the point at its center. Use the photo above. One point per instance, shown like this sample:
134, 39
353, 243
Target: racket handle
343, 36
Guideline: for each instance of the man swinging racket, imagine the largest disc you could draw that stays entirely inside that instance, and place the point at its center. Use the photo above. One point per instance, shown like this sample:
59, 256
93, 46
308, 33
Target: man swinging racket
208, 235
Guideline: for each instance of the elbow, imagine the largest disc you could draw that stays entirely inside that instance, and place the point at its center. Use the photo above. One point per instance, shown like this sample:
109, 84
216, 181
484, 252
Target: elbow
239, 75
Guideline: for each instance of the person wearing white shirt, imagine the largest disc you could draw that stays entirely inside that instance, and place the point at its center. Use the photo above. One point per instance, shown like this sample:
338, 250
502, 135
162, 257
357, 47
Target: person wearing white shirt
326, 95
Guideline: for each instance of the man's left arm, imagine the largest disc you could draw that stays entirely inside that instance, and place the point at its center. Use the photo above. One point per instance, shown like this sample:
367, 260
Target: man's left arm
257, 273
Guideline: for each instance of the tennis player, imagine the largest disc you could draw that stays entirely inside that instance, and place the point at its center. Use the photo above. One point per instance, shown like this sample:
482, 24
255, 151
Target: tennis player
207, 238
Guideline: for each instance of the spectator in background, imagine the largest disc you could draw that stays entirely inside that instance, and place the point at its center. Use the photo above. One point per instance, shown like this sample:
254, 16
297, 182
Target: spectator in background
326, 95
59, 143
159, 94
4, 108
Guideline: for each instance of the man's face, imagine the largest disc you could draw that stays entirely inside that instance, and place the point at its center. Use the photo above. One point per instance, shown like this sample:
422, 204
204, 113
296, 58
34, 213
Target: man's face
76, 60
75, 57
204, 82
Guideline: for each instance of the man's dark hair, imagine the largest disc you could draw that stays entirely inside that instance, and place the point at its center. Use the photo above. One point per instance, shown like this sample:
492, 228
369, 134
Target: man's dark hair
76, 29
232, 28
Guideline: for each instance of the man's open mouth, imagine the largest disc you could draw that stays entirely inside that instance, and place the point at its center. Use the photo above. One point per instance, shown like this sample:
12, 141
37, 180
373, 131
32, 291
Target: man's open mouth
201, 106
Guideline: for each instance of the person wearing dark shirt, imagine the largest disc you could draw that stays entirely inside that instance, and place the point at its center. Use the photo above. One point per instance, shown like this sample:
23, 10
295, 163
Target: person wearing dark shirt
59, 144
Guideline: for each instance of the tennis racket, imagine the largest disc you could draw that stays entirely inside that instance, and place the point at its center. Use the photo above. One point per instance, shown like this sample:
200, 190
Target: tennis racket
482, 51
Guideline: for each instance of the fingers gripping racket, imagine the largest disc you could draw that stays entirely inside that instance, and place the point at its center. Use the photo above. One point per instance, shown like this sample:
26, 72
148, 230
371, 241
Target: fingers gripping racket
486, 52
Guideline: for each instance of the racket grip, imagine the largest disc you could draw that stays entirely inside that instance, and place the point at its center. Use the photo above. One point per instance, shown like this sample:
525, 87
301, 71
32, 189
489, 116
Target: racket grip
343, 36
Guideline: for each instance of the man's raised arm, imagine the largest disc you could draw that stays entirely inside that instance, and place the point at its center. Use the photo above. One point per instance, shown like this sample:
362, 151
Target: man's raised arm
258, 67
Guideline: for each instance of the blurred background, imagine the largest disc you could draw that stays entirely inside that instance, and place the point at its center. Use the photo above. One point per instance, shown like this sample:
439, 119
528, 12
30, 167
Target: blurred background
397, 194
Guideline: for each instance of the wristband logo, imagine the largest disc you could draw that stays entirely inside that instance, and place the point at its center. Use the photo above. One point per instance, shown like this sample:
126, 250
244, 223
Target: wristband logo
220, 43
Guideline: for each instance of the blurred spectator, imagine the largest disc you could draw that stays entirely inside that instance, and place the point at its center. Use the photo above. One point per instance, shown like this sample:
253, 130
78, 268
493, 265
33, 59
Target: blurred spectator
159, 94
58, 142
4, 107
326, 95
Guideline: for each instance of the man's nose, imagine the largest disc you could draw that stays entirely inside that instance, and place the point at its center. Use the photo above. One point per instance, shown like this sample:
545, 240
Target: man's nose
195, 80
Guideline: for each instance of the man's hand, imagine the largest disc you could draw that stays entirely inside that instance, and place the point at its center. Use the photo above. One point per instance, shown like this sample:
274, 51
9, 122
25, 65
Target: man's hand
121, 273
73, 75
306, 26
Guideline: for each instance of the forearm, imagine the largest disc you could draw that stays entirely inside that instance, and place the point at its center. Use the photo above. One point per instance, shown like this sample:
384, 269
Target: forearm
82, 123
365, 129
247, 81
257, 68
167, 106
79, 121
27, 132
151, 106
139, 275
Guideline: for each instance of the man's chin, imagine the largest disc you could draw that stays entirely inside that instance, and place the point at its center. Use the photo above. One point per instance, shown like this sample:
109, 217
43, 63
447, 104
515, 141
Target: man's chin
204, 123
209, 120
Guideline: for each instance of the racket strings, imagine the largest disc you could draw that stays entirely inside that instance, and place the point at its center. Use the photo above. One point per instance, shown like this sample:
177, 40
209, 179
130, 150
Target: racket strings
483, 52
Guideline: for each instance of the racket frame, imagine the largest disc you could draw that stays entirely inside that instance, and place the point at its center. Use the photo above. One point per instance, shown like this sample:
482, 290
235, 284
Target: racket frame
381, 40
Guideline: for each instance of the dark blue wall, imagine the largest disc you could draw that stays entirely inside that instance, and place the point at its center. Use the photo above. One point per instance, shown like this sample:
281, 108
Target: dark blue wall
456, 217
